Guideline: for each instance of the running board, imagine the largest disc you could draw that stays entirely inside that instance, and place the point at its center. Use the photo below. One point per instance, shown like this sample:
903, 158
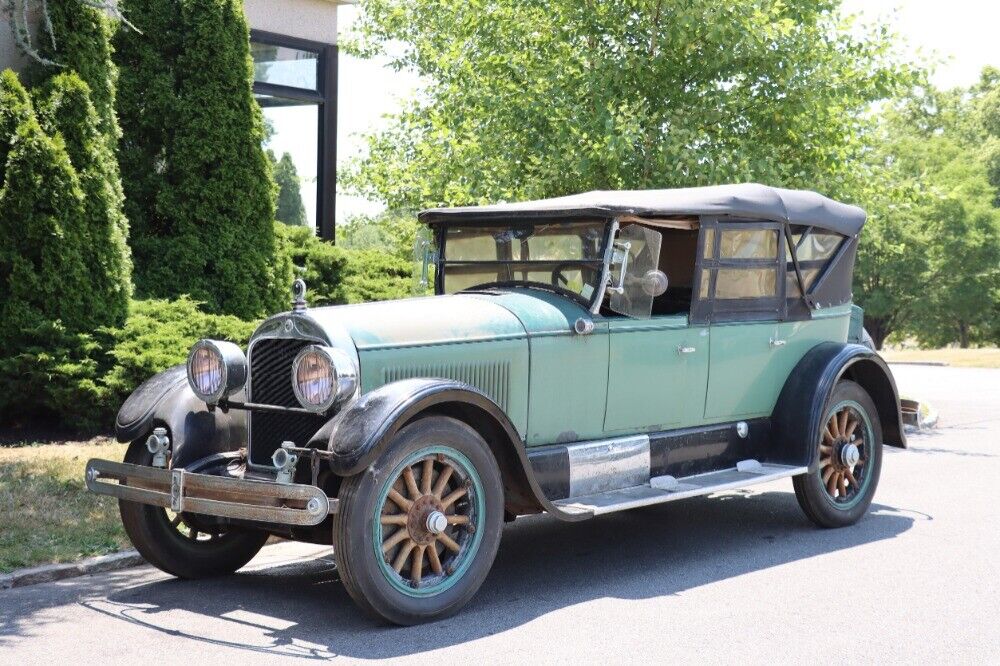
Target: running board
662, 489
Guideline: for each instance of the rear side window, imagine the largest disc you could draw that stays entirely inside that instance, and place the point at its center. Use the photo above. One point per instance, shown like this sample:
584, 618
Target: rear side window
741, 275
813, 248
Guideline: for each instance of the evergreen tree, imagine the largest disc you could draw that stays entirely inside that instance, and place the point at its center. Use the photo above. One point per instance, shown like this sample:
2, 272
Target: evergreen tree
65, 108
43, 277
290, 210
200, 183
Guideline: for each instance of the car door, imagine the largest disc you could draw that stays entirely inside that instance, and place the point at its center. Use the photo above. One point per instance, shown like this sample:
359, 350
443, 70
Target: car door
657, 374
741, 295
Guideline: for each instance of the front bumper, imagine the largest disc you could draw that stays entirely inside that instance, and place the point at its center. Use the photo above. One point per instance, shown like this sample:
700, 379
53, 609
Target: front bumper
182, 491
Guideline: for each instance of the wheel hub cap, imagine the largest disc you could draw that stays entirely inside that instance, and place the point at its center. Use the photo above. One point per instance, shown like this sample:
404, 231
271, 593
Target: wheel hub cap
849, 455
436, 522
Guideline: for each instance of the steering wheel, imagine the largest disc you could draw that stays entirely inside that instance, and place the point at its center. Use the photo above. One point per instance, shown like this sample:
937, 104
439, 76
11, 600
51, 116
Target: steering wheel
560, 280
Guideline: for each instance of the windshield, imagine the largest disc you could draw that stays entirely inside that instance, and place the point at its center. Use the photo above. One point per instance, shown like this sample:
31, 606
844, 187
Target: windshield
567, 257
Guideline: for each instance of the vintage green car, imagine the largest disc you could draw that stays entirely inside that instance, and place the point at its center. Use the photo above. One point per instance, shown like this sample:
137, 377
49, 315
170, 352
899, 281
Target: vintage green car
582, 355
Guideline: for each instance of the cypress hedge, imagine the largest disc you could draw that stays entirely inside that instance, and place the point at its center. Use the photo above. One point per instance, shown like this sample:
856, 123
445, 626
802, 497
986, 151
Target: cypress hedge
290, 210
203, 225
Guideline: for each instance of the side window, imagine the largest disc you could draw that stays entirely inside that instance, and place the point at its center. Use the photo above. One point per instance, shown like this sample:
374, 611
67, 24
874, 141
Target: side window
813, 248
741, 270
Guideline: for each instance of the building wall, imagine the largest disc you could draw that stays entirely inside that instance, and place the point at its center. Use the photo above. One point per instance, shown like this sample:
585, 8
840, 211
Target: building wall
315, 20
306, 19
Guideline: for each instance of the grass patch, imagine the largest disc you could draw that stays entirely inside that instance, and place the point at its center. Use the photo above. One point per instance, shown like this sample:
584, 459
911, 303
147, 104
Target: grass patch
46, 513
985, 357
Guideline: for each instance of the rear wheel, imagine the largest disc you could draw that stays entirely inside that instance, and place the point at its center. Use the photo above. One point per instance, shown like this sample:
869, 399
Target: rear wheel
178, 543
849, 451
416, 534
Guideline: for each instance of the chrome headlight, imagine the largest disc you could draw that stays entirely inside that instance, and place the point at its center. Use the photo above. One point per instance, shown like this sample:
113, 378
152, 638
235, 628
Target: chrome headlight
216, 369
323, 377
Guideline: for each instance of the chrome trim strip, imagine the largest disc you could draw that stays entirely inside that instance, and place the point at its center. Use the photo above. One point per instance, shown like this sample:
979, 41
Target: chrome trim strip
609, 464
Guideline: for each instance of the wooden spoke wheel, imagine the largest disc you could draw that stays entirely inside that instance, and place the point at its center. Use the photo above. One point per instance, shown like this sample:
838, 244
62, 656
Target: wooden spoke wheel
428, 520
840, 485
416, 533
843, 455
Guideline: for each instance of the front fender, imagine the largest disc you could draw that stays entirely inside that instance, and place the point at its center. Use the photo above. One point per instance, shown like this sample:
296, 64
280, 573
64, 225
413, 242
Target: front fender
356, 436
802, 404
195, 431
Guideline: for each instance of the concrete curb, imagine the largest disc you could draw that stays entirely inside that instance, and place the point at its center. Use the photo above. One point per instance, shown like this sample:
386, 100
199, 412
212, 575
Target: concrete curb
52, 572
936, 364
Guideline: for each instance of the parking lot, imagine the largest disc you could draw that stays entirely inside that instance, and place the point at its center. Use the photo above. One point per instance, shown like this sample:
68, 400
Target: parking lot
740, 576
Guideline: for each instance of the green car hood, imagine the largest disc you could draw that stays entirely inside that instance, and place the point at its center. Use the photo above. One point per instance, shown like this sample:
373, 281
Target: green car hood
420, 321
436, 320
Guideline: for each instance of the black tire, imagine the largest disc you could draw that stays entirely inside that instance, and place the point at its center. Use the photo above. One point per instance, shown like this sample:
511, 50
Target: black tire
366, 574
163, 545
846, 503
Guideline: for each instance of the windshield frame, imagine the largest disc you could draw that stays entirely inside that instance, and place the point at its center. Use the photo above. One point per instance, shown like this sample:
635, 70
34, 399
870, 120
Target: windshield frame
592, 304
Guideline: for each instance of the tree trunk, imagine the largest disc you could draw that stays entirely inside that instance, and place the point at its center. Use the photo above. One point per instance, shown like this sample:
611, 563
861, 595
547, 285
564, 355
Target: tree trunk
879, 330
963, 334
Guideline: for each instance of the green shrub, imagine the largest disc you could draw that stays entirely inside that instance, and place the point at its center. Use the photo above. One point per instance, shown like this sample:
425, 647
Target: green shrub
205, 224
81, 380
372, 275
43, 276
393, 232
65, 108
15, 108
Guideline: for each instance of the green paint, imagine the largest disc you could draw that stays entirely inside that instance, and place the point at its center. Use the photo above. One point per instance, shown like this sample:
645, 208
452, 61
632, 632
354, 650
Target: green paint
652, 383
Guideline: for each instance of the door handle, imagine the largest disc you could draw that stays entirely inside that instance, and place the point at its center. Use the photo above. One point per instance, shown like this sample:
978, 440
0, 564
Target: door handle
778, 343
685, 350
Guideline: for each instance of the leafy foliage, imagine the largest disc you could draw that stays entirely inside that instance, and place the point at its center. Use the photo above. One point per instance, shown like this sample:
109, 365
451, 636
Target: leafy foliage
82, 378
203, 203
290, 209
394, 232
65, 109
531, 99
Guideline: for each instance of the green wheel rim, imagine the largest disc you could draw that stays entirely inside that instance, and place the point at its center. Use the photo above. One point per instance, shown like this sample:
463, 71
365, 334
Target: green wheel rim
405, 542
844, 477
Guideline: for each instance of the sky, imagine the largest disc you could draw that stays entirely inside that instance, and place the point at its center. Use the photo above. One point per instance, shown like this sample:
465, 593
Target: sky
959, 36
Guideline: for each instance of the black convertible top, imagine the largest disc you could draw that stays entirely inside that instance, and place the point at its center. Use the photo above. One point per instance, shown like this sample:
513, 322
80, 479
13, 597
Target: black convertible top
746, 200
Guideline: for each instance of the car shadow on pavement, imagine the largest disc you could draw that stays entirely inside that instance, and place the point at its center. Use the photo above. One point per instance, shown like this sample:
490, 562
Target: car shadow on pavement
543, 566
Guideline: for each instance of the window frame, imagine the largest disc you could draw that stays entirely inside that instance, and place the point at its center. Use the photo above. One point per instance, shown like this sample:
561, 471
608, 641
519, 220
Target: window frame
325, 97
706, 310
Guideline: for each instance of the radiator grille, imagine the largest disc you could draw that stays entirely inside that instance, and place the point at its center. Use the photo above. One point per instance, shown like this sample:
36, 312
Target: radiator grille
490, 377
271, 384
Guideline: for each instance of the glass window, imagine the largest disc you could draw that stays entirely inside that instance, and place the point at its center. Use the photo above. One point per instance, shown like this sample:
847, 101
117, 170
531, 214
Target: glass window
285, 66
709, 243
566, 256
292, 142
748, 244
817, 246
792, 284
745, 283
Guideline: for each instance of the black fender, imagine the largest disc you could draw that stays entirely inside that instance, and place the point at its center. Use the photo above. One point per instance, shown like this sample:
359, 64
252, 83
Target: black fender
195, 431
357, 434
804, 399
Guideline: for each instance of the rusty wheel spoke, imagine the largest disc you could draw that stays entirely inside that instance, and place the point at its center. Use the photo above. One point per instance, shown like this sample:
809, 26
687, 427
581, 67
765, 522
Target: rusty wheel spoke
449, 543
831, 483
404, 554
842, 485
435, 561
851, 427
827, 474
397, 537
854, 482
394, 519
453, 497
844, 414
427, 476
458, 519
399, 500
442, 481
411, 483
417, 567
828, 437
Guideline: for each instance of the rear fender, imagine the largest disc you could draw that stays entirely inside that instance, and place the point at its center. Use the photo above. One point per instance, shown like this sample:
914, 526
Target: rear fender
195, 431
803, 402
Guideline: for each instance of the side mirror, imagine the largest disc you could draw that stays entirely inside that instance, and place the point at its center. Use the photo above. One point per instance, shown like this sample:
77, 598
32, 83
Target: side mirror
655, 283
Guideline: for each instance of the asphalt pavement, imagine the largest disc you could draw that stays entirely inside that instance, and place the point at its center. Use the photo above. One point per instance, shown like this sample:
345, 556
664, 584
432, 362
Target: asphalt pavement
737, 577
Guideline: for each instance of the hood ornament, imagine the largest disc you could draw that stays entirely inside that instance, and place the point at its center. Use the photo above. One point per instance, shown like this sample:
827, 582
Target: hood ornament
299, 295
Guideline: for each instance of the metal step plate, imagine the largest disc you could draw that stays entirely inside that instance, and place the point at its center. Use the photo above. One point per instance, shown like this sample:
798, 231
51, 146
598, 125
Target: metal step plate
666, 488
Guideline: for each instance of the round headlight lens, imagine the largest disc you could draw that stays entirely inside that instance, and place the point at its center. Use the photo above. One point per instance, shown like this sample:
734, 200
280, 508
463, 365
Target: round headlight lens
323, 377
215, 369
315, 377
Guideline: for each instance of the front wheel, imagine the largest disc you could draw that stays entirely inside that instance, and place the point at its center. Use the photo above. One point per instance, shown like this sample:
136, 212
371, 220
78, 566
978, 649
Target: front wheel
849, 452
415, 535
177, 543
